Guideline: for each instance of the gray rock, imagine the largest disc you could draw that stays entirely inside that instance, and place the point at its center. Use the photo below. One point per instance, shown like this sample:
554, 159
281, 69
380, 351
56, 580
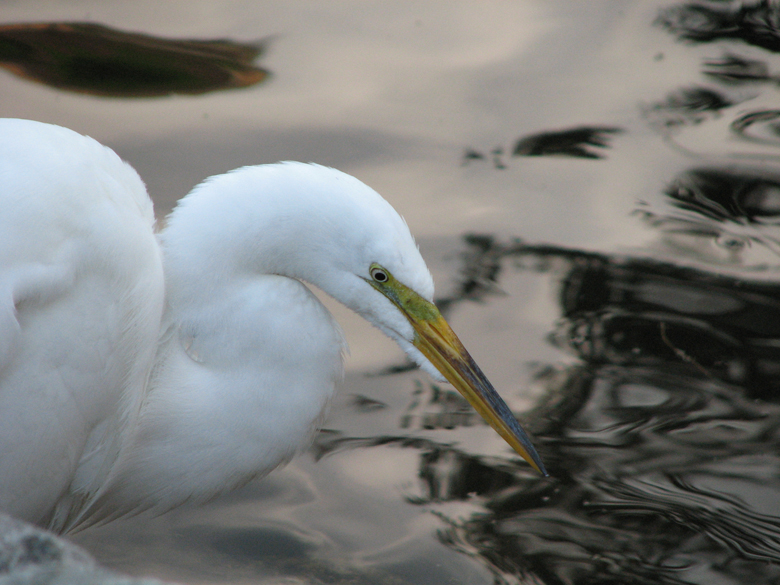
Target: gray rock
32, 556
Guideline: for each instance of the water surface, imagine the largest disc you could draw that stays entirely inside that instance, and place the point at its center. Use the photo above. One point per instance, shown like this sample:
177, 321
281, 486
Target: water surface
596, 187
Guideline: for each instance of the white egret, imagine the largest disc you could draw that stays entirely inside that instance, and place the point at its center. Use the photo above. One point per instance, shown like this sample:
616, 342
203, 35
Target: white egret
138, 372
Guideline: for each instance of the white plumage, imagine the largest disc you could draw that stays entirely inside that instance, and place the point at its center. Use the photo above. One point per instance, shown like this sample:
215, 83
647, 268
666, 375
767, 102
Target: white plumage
137, 374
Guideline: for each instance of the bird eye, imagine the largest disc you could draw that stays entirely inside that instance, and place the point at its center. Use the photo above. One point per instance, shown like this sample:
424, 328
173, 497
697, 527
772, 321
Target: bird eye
379, 274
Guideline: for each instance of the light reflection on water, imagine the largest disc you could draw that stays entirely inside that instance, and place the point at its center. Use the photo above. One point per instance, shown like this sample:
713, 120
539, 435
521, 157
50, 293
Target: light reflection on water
640, 139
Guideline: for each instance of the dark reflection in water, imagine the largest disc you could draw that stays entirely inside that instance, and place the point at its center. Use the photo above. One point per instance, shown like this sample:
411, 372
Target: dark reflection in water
762, 126
575, 142
685, 107
580, 142
637, 311
734, 69
645, 312
736, 208
739, 196
98, 60
755, 23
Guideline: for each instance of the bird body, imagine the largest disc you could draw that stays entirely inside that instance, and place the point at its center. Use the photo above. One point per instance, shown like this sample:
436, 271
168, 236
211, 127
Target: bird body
81, 297
141, 371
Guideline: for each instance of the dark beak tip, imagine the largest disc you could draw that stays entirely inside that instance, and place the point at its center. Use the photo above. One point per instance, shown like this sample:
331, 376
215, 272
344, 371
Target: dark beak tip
541, 468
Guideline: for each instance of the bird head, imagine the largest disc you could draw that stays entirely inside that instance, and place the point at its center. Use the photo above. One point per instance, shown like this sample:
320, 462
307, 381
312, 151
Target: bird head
378, 271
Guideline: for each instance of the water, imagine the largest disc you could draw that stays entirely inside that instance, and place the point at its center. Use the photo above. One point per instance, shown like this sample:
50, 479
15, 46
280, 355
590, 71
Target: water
596, 187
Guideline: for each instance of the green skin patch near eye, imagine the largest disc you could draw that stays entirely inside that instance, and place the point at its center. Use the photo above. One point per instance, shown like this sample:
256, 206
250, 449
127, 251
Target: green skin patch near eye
410, 303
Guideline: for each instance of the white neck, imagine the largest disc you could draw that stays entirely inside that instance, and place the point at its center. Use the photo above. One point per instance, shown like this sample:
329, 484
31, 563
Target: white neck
250, 358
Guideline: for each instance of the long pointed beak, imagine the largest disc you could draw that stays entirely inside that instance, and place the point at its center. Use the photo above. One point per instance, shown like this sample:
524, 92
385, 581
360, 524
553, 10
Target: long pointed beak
438, 342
